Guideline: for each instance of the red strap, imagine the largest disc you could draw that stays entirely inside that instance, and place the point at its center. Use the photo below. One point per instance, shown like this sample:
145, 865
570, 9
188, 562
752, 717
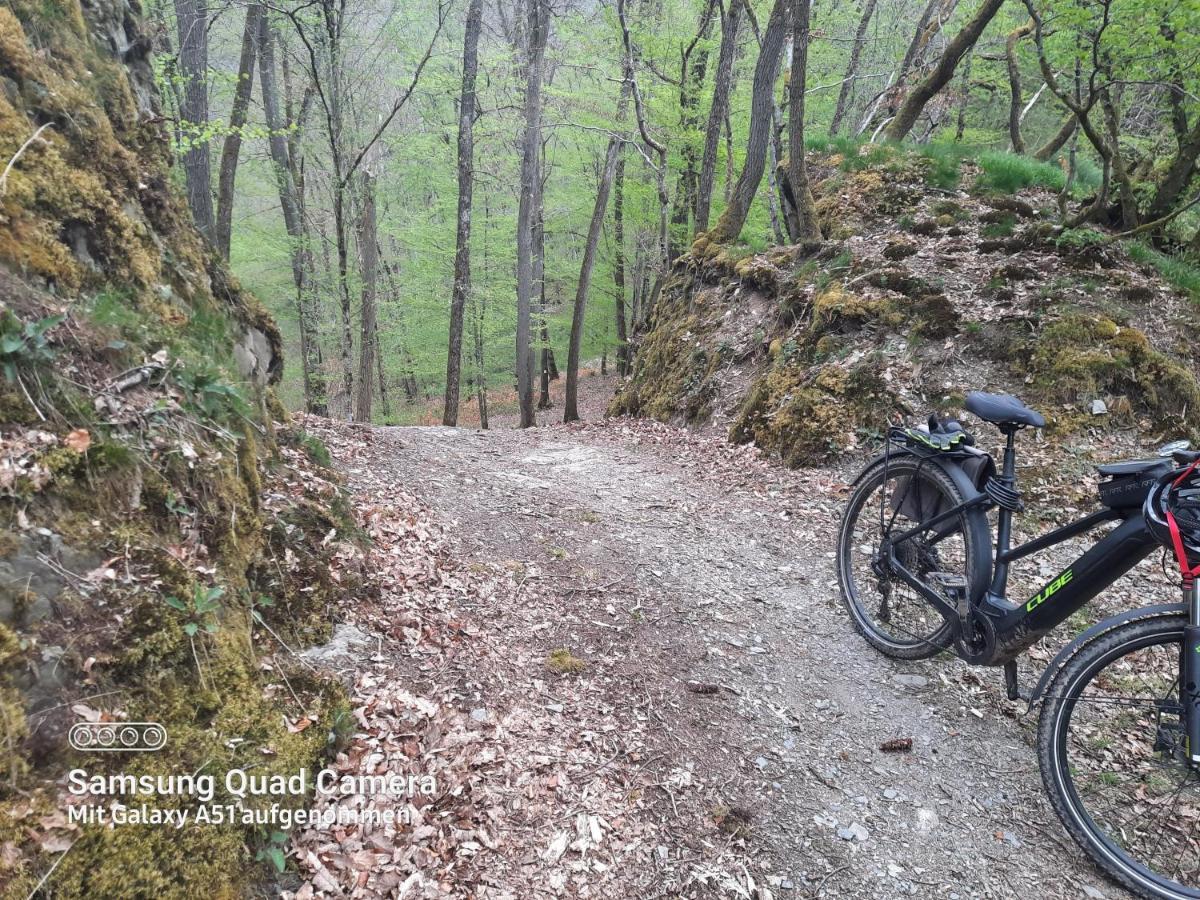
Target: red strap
1177, 537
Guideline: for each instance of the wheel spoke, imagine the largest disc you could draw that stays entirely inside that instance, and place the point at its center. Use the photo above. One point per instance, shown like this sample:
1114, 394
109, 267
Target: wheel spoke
1115, 705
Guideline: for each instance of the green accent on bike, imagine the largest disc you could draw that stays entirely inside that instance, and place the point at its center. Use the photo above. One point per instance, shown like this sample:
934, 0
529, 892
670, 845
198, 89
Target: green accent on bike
1049, 590
936, 441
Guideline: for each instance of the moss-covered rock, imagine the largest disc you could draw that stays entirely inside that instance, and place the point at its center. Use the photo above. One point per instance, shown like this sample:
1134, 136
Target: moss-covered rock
1083, 356
806, 415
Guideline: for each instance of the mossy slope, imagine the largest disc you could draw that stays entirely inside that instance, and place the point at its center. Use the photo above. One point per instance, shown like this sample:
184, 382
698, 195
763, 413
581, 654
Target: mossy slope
155, 552
919, 294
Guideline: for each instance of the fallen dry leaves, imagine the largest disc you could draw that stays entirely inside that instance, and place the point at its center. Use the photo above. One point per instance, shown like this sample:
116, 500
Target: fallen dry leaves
546, 785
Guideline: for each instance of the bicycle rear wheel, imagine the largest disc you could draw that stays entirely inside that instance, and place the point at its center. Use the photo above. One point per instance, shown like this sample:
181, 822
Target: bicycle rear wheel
1111, 750
887, 501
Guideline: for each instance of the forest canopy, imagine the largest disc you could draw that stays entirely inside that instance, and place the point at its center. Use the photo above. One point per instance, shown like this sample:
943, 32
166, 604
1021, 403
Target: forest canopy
425, 192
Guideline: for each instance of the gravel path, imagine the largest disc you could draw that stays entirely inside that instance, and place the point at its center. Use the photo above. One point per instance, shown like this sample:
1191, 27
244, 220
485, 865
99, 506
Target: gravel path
727, 582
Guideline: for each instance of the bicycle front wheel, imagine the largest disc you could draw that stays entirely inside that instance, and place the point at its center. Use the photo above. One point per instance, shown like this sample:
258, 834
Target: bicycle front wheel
1111, 747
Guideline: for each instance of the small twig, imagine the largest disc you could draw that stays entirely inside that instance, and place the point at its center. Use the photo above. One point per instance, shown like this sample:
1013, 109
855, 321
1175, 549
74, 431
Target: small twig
830, 874
21, 382
37, 887
37, 138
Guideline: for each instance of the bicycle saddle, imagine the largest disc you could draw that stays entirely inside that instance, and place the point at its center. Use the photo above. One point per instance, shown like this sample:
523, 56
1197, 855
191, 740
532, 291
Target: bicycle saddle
1003, 409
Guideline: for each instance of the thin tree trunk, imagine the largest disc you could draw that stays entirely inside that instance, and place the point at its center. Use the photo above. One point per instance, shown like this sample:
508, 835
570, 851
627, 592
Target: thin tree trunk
619, 262
544, 354
1059, 139
856, 49
919, 40
230, 152
727, 190
290, 201
729, 226
368, 245
1014, 85
1178, 176
716, 115
803, 222
480, 372
1112, 119
192, 20
384, 405
965, 99
941, 74
599, 209
691, 82
530, 149
466, 180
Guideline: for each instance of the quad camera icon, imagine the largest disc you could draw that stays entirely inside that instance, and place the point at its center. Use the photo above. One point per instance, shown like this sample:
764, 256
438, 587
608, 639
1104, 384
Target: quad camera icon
101, 737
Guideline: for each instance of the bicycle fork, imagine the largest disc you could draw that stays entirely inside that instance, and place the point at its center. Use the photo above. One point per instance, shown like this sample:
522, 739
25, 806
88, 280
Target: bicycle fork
1189, 686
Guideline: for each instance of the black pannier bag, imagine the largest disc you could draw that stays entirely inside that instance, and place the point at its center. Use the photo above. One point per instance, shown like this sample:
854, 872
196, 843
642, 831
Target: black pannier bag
947, 438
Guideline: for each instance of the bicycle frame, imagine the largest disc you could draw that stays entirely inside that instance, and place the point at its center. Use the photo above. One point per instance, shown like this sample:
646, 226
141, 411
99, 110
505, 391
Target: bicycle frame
1011, 629
1002, 630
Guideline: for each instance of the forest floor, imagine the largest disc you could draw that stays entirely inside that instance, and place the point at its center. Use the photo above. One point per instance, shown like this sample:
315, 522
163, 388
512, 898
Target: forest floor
711, 724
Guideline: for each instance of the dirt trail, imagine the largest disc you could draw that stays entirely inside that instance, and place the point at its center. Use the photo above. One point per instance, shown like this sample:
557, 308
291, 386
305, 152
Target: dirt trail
670, 571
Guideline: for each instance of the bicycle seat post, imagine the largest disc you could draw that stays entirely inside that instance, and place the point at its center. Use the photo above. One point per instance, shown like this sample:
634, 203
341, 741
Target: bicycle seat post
1008, 477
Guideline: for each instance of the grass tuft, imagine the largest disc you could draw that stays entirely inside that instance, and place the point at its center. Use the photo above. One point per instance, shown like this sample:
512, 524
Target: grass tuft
1181, 273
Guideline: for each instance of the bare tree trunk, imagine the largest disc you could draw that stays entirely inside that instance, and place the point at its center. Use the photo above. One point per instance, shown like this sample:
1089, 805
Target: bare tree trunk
230, 152
729, 226
1014, 85
1178, 176
384, 405
192, 19
539, 15
544, 356
691, 82
1112, 119
368, 248
480, 370
466, 180
660, 170
941, 74
856, 49
920, 38
571, 402
728, 186
803, 221
1059, 139
619, 263
716, 115
965, 100
315, 398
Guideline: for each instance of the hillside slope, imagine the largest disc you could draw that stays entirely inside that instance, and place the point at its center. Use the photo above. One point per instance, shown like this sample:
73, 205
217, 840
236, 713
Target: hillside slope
920, 294
152, 547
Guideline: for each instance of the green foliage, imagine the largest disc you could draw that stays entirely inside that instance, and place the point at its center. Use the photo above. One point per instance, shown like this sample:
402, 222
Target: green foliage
314, 448
1080, 238
274, 851
24, 345
944, 164
209, 395
1008, 173
200, 608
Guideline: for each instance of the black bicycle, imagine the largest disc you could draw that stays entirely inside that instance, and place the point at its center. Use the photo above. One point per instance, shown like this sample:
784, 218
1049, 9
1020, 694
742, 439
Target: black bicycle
1119, 729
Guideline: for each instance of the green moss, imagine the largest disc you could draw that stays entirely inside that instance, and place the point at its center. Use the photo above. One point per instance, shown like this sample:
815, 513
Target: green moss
562, 662
673, 379
1082, 356
807, 417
